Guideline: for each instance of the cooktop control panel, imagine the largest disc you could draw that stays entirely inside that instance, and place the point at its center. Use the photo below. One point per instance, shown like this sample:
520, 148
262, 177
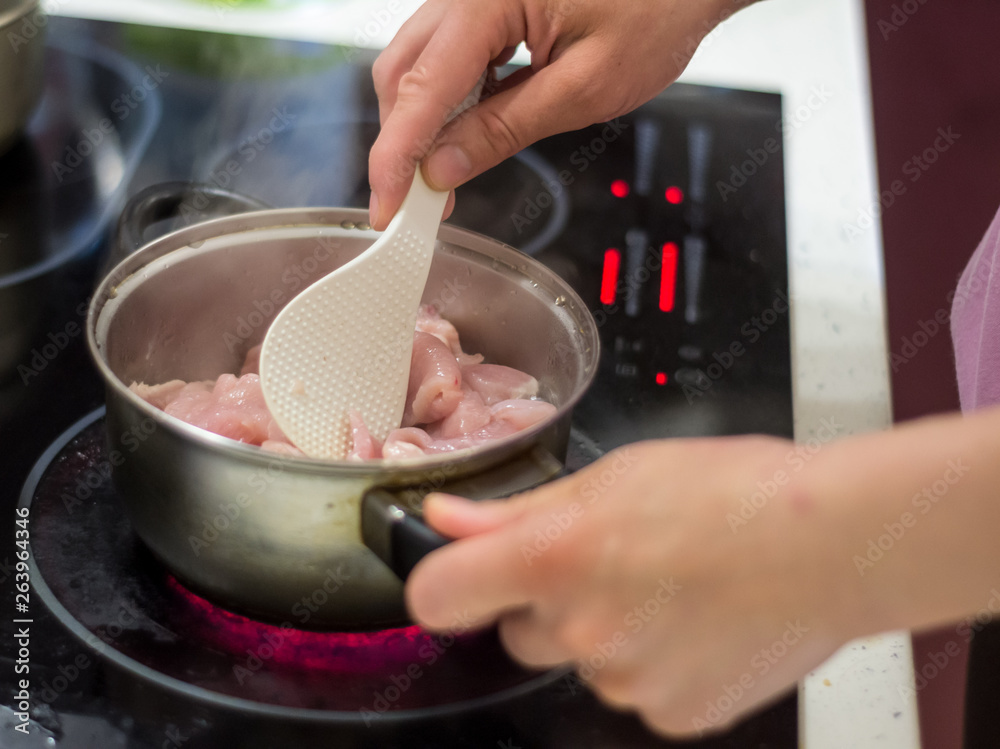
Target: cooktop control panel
672, 230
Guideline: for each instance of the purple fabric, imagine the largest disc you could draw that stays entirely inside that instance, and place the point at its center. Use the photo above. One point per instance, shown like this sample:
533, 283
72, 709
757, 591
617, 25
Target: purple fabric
975, 324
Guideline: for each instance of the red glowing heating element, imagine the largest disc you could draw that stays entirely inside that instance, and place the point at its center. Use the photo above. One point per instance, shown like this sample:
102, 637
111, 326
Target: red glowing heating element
609, 279
331, 652
661, 378
674, 195
668, 277
619, 188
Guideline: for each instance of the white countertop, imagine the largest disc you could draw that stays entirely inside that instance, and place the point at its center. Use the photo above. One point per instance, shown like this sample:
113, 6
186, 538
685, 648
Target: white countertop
813, 52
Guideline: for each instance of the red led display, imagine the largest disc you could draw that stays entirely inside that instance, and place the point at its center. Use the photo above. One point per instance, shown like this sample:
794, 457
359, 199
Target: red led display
674, 195
668, 277
661, 378
609, 278
619, 188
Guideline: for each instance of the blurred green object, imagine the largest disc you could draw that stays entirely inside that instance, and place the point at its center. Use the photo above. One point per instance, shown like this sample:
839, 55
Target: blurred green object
231, 57
222, 4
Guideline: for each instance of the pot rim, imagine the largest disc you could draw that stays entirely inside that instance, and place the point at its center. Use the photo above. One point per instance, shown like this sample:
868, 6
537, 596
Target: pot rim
353, 219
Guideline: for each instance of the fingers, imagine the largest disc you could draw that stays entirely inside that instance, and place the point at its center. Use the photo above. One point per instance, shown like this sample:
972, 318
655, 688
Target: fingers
402, 52
489, 569
456, 517
512, 119
532, 640
417, 92
474, 579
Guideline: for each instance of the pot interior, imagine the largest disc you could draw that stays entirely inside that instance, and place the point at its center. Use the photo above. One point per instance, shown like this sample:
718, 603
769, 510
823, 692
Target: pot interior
191, 304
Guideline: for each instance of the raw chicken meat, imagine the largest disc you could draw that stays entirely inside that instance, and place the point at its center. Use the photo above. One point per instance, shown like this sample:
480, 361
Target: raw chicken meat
231, 406
495, 382
453, 402
435, 385
429, 321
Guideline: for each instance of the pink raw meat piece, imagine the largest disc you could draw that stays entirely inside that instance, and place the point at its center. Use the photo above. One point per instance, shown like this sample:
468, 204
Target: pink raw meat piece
251, 364
233, 407
429, 321
435, 386
412, 442
460, 402
408, 442
365, 446
506, 418
520, 413
282, 448
495, 382
470, 415
158, 395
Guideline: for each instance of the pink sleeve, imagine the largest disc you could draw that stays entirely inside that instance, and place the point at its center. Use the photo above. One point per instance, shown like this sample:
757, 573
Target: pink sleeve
975, 324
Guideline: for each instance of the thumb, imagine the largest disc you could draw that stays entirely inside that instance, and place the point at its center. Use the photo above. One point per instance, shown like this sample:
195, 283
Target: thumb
457, 517
539, 104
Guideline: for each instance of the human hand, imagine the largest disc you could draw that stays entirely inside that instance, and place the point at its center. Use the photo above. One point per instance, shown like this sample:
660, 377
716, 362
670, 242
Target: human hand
639, 570
591, 61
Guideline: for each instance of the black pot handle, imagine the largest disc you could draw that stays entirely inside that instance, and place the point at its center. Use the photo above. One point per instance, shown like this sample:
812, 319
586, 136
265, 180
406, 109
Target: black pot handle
392, 523
198, 202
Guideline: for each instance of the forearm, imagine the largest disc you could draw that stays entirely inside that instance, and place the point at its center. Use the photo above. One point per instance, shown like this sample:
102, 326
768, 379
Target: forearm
912, 519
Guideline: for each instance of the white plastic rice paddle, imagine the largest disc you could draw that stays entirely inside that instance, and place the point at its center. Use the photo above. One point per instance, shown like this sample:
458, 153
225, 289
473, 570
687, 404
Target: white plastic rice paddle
344, 343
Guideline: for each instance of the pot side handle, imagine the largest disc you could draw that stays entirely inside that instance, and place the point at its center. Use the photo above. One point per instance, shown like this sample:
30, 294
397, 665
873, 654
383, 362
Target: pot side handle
156, 203
392, 523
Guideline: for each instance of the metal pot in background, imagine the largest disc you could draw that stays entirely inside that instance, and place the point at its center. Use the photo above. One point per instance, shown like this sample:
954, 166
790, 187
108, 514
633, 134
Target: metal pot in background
259, 532
57, 206
22, 69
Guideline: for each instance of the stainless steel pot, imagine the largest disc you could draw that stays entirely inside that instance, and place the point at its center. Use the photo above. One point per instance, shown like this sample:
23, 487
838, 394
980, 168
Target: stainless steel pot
22, 69
284, 538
